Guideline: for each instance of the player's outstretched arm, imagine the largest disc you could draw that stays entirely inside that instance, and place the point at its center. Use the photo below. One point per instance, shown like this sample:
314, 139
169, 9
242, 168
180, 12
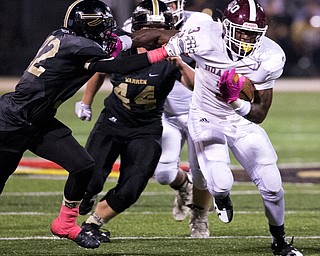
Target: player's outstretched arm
177, 45
83, 107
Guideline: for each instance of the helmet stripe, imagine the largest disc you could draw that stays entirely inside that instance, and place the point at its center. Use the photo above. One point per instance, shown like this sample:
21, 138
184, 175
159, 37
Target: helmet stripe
155, 5
66, 17
253, 10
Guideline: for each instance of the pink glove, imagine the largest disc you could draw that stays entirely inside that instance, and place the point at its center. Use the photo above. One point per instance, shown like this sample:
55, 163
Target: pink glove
113, 46
230, 89
118, 46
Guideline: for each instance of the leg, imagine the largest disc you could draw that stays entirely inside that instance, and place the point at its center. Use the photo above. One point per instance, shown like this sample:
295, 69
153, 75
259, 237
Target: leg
138, 162
55, 142
12, 146
8, 162
168, 171
211, 147
259, 161
201, 200
99, 141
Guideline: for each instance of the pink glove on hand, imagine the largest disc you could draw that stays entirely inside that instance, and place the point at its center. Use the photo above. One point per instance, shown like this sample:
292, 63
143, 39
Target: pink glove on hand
117, 46
228, 88
112, 45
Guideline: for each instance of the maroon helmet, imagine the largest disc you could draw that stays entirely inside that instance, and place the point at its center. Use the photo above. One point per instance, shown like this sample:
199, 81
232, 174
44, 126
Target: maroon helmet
245, 23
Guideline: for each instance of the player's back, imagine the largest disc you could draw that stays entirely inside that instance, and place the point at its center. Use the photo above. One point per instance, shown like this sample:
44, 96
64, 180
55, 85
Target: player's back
54, 75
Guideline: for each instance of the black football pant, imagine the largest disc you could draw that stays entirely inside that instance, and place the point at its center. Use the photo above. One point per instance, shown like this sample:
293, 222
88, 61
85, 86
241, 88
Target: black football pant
53, 141
139, 150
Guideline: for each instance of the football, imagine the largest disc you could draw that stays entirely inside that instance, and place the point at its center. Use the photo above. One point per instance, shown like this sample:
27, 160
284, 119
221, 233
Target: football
247, 91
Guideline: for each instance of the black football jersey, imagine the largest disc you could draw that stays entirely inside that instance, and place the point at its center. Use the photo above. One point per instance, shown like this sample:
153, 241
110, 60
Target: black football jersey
138, 97
54, 75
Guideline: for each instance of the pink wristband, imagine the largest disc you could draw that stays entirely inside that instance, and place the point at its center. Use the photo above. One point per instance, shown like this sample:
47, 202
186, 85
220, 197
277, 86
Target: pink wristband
157, 55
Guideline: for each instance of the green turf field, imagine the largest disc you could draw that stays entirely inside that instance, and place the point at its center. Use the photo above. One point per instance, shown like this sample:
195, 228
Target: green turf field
29, 204
293, 125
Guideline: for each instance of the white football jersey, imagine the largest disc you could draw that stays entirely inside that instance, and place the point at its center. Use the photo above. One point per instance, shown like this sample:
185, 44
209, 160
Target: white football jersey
178, 100
262, 67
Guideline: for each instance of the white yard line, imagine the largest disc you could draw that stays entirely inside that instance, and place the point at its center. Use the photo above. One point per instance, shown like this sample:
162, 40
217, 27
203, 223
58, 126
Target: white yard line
151, 238
158, 193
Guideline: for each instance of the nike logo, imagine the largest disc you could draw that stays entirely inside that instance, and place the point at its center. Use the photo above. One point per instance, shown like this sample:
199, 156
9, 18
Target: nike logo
153, 75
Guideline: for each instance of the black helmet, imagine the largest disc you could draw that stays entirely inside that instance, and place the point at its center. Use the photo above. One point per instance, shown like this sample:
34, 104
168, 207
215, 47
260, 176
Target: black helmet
152, 13
91, 19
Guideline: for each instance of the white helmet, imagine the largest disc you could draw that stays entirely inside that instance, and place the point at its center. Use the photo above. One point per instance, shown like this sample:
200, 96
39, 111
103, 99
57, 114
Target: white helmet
178, 14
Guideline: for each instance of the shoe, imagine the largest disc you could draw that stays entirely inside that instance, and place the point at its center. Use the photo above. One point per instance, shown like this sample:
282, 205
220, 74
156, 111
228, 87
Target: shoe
284, 248
224, 209
182, 199
82, 239
87, 204
87, 241
94, 230
199, 222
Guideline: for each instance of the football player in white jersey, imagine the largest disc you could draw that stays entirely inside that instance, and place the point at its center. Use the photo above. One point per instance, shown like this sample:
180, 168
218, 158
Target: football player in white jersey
219, 120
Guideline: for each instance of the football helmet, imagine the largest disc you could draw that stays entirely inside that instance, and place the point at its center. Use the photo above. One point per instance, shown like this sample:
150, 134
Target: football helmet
152, 13
245, 23
178, 14
91, 19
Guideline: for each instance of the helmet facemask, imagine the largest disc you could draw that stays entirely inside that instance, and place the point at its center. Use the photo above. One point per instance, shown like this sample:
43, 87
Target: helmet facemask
244, 24
243, 39
178, 13
152, 14
91, 19
97, 27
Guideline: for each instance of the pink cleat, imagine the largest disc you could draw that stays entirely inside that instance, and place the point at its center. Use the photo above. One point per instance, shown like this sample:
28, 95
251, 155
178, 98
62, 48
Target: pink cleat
64, 226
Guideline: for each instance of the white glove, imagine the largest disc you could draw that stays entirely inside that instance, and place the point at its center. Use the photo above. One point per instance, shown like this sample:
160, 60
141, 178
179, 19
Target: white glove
179, 44
83, 111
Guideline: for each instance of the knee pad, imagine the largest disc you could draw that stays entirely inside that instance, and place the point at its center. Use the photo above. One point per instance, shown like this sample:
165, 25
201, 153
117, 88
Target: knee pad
272, 196
166, 173
269, 182
219, 177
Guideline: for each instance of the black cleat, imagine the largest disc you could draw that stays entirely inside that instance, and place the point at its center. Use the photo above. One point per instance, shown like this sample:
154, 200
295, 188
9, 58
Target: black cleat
87, 204
94, 230
224, 209
284, 248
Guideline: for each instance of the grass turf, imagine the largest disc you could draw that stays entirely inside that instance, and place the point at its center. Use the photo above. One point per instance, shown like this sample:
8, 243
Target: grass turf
29, 204
292, 124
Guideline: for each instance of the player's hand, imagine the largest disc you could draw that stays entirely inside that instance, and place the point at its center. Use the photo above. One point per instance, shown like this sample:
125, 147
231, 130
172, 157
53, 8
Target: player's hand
83, 111
179, 44
228, 88
113, 45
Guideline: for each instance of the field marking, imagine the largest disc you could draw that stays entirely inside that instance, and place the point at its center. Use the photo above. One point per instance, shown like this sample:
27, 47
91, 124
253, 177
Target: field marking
149, 213
158, 193
152, 238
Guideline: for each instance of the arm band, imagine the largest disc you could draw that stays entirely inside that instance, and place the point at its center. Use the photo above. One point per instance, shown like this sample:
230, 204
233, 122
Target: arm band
157, 55
241, 107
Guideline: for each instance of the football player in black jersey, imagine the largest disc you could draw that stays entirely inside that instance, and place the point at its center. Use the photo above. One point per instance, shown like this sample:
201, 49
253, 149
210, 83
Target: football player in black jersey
66, 60
130, 125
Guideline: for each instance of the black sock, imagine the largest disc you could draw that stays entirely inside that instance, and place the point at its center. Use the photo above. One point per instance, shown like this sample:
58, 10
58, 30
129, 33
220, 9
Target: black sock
277, 232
